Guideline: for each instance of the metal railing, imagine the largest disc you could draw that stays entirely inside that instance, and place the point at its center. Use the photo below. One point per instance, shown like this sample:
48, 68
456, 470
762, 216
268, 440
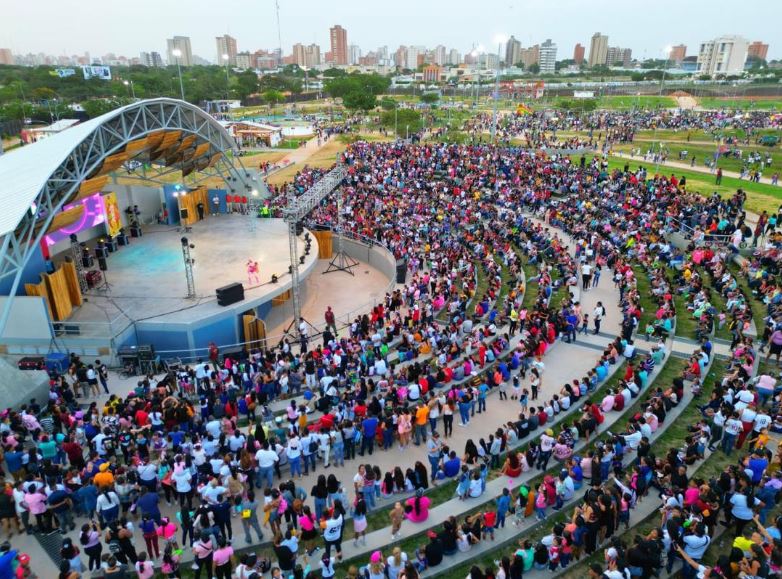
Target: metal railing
675, 225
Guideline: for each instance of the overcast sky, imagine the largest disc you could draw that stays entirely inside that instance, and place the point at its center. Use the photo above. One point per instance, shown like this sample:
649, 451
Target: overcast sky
128, 27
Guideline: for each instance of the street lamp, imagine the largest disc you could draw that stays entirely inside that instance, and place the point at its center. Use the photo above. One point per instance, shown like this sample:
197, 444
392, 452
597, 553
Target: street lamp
667, 50
226, 58
177, 54
499, 39
132, 89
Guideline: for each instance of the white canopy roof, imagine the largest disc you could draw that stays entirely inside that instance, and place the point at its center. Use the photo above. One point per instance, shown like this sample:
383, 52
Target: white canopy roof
24, 171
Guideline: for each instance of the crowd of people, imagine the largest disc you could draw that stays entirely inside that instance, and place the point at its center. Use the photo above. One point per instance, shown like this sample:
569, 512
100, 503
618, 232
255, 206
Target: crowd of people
207, 440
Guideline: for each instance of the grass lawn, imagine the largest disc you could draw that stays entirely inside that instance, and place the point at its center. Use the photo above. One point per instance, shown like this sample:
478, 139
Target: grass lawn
760, 196
742, 103
323, 158
292, 142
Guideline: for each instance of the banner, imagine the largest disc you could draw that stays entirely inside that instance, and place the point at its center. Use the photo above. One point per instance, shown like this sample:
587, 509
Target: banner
101, 72
113, 217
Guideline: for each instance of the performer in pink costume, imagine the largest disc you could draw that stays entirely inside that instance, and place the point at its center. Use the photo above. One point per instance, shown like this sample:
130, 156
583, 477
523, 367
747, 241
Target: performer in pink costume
253, 272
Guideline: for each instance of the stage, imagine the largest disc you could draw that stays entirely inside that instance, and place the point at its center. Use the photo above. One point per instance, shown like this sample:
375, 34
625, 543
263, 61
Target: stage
146, 302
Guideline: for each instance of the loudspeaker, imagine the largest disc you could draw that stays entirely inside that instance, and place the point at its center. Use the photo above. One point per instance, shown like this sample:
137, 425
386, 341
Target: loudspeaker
230, 294
135, 231
401, 271
102, 265
183, 214
101, 252
122, 239
87, 261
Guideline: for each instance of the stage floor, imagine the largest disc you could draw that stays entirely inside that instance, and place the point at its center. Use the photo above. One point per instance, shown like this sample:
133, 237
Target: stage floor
148, 277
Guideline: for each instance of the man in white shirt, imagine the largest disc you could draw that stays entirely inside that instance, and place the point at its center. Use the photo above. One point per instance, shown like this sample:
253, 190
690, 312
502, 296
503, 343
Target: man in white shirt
265, 458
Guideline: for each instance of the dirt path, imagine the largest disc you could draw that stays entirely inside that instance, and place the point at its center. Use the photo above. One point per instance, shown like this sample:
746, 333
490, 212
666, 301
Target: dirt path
687, 102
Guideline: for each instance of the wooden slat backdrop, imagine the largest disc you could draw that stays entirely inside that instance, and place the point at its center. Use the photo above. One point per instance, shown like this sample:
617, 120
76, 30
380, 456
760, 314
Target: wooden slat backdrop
66, 218
282, 298
254, 332
74, 291
325, 244
57, 287
190, 202
39, 289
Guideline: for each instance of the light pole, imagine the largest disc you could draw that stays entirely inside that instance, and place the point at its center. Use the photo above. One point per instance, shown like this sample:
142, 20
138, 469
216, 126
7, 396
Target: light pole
667, 51
226, 58
499, 39
177, 54
132, 89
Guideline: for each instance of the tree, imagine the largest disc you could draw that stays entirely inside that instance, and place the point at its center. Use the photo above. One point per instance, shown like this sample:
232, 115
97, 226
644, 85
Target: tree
430, 98
97, 107
359, 100
246, 84
534, 68
404, 119
272, 97
388, 104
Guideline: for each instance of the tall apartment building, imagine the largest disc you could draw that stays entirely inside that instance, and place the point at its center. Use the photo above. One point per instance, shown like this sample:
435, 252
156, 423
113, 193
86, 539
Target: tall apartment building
181, 43
617, 54
308, 56
414, 55
454, 58
226, 45
678, 53
244, 60
151, 59
440, 55
548, 57
354, 54
598, 49
723, 55
758, 50
578, 53
512, 51
529, 56
400, 56
6, 57
339, 44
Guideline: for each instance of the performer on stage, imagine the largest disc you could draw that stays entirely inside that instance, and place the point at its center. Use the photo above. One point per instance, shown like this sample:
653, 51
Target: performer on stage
253, 272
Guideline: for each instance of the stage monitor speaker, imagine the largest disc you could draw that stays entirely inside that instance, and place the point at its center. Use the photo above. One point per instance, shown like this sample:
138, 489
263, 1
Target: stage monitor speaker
87, 261
401, 271
135, 231
101, 252
230, 294
183, 214
122, 239
102, 265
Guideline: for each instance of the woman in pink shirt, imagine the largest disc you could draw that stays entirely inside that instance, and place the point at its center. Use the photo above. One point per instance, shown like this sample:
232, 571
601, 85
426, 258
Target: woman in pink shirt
222, 559
417, 509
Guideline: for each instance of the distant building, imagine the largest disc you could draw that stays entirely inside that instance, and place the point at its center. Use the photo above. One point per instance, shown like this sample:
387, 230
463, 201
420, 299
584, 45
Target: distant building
723, 55
432, 73
413, 55
689, 64
308, 56
339, 44
757, 49
226, 45
151, 59
244, 60
548, 57
354, 54
529, 56
181, 43
6, 57
598, 49
440, 55
617, 54
678, 53
512, 51
454, 58
578, 53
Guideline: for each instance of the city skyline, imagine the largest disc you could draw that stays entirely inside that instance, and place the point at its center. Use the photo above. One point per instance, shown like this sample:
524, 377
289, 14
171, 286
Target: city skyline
148, 26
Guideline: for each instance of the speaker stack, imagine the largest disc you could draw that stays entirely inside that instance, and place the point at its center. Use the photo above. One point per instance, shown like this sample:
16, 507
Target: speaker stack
230, 294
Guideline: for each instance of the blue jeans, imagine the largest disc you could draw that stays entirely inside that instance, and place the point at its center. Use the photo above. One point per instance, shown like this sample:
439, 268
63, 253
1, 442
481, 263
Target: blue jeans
265, 474
309, 462
295, 464
481, 404
369, 496
728, 443
434, 462
464, 414
320, 507
338, 455
433, 424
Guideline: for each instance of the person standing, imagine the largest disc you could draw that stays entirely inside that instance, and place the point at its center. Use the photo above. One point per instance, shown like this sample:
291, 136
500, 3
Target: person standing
597, 316
434, 450
586, 275
330, 320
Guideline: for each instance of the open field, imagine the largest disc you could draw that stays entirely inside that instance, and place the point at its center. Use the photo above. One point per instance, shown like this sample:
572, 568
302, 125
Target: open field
323, 158
758, 103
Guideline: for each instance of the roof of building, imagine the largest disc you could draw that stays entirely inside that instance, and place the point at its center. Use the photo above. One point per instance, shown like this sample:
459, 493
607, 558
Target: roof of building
57, 126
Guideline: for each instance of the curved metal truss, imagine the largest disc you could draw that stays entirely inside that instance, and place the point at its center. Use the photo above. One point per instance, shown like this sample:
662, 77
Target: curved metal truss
166, 131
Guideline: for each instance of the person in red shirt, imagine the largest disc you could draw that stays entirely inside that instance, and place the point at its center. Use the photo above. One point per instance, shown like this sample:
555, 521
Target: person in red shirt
75, 452
489, 522
141, 417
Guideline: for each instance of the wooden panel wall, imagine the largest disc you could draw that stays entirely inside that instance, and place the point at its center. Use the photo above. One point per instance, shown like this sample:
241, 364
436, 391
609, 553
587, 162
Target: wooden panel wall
325, 244
39, 289
254, 332
60, 297
282, 298
190, 202
72, 280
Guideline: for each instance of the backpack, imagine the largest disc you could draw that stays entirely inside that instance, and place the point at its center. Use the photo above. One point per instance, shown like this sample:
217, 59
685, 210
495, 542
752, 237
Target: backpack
313, 446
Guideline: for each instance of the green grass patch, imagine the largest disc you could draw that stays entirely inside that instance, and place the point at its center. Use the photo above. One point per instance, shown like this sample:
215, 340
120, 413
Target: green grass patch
759, 309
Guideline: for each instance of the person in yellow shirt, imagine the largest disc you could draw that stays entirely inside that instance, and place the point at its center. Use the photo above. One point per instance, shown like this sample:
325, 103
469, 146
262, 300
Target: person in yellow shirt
421, 420
104, 479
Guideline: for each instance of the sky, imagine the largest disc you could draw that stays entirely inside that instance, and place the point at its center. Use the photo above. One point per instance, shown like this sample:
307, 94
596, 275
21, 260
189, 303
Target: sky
129, 27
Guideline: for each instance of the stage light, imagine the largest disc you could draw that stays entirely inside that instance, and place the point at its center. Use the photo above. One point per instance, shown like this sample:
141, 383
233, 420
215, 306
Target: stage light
301, 260
290, 269
74, 238
184, 241
255, 192
274, 278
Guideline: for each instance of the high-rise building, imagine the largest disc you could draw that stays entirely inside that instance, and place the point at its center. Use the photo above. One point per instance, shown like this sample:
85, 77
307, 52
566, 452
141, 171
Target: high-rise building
226, 45
512, 51
383, 56
339, 44
598, 49
548, 57
529, 56
440, 55
308, 56
723, 55
151, 59
758, 50
6, 57
412, 56
678, 53
181, 43
454, 58
400, 56
616, 54
578, 53
354, 54
244, 60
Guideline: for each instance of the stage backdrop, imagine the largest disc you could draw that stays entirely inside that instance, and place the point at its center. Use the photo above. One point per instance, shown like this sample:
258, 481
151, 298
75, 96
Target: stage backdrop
113, 216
